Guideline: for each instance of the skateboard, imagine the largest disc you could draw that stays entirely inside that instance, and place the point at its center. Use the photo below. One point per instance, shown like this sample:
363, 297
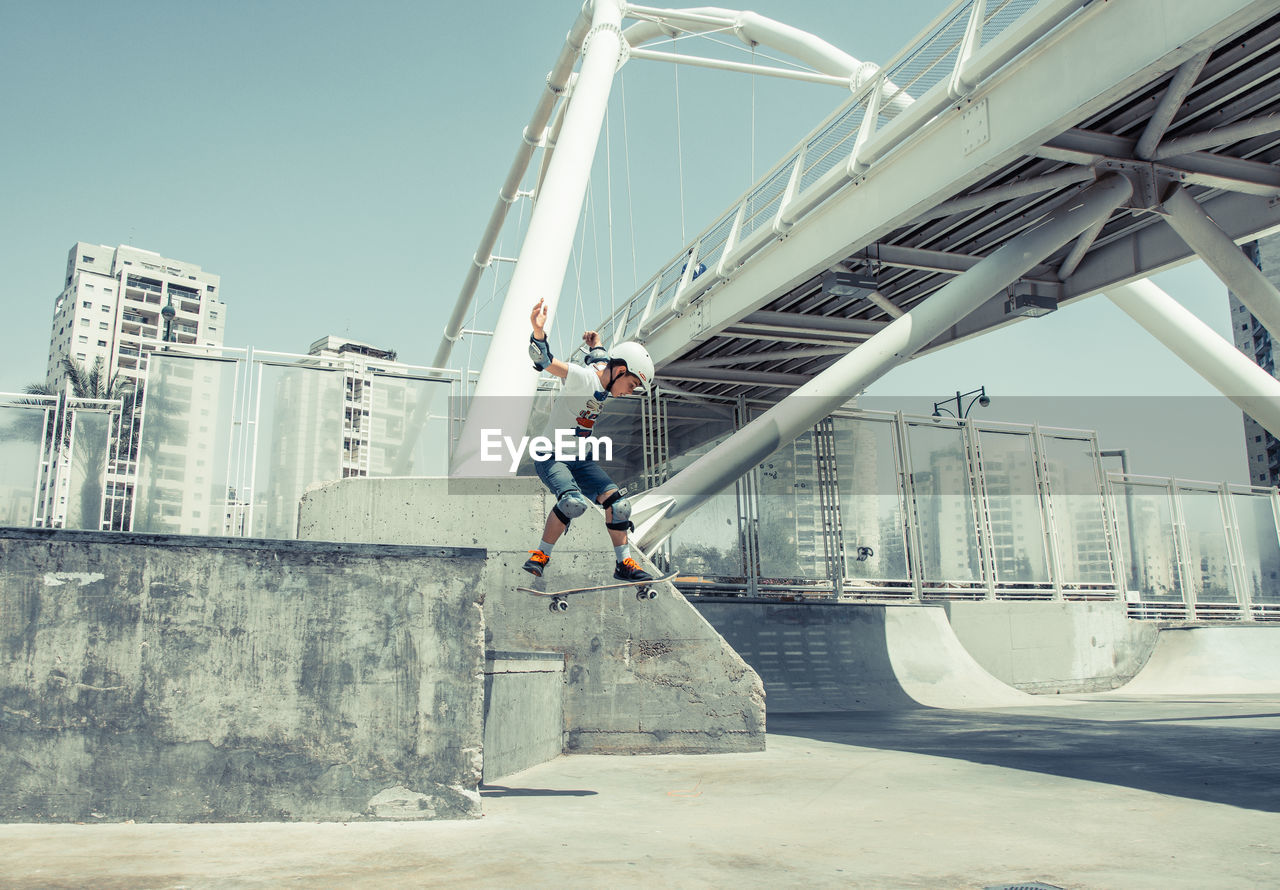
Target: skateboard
644, 591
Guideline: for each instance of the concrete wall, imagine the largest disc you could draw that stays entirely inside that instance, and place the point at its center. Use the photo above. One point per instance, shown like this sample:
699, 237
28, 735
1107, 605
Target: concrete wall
523, 711
1051, 647
651, 677
166, 678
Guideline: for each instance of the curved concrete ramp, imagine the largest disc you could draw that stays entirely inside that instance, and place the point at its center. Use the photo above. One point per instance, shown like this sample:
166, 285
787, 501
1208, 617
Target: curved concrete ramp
1233, 660
816, 657
935, 669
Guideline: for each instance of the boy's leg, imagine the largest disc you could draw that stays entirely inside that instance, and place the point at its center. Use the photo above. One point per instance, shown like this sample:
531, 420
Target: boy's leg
554, 528
617, 516
570, 503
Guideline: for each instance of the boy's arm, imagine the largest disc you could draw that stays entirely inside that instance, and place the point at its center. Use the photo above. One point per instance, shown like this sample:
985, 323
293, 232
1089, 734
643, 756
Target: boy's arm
595, 350
539, 350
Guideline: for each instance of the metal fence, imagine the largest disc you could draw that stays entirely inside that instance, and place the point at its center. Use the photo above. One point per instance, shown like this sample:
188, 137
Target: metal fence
868, 505
881, 506
219, 441
58, 454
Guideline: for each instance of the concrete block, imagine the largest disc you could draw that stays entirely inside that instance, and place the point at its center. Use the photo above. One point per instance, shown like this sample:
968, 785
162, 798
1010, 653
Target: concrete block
650, 677
166, 678
523, 711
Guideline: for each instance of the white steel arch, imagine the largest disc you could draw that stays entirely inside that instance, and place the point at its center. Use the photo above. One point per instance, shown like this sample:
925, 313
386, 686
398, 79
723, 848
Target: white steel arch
505, 389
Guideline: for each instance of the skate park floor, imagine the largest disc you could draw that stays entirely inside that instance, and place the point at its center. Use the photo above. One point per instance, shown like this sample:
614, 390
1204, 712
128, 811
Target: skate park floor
1110, 791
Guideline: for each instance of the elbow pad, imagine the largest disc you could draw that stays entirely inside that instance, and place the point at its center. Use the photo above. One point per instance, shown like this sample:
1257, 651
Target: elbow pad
540, 353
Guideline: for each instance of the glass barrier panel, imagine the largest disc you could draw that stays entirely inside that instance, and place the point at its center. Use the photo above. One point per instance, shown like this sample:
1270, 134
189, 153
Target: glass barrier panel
91, 437
790, 510
1260, 545
1145, 520
1013, 502
187, 420
394, 400
21, 433
299, 443
1079, 511
1208, 563
871, 513
709, 542
944, 504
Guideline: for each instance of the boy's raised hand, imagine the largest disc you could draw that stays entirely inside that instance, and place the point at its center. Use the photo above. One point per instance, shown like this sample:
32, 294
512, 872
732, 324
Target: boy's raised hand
591, 338
538, 319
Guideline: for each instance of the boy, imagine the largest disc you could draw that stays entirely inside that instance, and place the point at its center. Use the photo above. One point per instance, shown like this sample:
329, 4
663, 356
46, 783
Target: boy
576, 483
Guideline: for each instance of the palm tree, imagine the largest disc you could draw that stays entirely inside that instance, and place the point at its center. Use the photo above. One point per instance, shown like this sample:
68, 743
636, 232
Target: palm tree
91, 383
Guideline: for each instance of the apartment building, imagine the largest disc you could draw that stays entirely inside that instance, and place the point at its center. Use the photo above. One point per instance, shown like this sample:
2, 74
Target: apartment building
1251, 338
117, 304
114, 299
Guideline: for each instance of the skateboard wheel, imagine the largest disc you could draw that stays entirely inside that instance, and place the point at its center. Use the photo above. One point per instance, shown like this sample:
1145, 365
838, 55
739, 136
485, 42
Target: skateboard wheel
561, 606
652, 593
551, 607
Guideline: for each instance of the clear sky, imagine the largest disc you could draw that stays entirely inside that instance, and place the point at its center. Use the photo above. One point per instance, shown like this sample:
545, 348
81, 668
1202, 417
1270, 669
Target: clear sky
336, 163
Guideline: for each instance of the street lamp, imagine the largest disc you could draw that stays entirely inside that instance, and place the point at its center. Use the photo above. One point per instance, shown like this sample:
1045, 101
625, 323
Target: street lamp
962, 410
168, 312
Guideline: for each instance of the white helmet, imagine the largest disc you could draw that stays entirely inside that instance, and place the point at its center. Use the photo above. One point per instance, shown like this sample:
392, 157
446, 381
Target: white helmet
637, 360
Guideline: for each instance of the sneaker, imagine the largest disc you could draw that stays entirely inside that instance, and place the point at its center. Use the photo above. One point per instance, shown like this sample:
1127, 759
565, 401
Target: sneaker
536, 562
629, 570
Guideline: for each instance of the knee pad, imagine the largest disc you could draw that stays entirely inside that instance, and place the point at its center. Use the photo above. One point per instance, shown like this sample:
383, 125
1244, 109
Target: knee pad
571, 505
621, 506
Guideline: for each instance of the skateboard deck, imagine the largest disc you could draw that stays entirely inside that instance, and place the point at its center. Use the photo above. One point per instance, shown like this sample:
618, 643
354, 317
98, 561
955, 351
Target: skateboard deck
644, 590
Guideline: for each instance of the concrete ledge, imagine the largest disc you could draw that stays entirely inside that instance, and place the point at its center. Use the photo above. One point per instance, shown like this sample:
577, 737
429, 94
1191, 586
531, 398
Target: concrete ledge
640, 677
167, 678
327, 548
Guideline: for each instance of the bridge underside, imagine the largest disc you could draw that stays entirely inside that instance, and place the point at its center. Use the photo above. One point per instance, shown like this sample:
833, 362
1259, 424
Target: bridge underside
936, 205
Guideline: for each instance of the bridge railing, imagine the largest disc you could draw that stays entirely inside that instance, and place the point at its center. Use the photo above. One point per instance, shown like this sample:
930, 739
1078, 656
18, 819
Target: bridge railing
961, 46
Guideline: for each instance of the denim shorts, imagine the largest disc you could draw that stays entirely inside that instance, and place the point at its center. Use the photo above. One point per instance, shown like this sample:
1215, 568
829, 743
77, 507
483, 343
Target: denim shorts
566, 475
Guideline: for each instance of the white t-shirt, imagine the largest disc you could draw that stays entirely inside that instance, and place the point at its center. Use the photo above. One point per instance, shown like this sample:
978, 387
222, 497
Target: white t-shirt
578, 402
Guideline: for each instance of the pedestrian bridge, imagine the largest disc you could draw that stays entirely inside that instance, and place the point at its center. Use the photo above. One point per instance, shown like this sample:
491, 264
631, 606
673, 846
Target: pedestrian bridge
1014, 158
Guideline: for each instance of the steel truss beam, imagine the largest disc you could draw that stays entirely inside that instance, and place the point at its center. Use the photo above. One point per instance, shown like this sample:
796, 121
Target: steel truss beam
1227, 261
1193, 168
683, 371
767, 355
1153, 248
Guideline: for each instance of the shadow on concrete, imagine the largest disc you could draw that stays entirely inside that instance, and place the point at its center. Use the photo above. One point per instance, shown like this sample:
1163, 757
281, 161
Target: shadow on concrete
503, 791
1221, 752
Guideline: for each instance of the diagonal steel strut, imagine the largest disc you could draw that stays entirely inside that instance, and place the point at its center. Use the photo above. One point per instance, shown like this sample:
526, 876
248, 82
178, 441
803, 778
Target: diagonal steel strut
659, 511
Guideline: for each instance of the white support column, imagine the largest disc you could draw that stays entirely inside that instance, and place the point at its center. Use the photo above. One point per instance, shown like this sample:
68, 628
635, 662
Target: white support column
1209, 355
1227, 261
658, 512
504, 393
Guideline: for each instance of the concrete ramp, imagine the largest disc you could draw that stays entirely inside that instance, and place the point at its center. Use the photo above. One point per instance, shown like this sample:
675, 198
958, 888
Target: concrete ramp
1232, 660
817, 657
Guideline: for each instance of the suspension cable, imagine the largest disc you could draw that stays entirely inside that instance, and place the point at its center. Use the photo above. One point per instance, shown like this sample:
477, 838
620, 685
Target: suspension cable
679, 150
631, 212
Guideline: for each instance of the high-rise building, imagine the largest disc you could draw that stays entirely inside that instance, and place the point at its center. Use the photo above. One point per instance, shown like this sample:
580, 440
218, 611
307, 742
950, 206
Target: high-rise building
116, 303
1254, 340
114, 298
